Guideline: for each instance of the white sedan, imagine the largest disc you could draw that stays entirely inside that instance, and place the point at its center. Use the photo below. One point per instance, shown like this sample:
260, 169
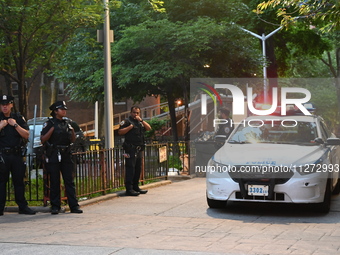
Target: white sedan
282, 159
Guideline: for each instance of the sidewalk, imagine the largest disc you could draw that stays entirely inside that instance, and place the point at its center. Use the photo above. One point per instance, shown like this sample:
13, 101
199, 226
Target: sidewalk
111, 224
46, 209
174, 219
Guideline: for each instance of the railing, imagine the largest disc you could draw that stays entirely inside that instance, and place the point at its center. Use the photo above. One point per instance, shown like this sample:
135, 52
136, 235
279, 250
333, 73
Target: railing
102, 171
146, 113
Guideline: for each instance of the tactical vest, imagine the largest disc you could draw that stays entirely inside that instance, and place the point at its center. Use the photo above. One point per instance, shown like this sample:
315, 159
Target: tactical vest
8, 135
62, 132
136, 135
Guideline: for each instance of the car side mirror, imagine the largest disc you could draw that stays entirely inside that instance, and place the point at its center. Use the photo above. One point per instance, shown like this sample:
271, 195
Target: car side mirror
333, 141
220, 138
319, 140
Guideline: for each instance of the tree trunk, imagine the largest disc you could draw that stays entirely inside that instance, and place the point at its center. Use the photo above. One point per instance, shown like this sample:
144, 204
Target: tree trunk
48, 94
186, 110
337, 86
172, 111
336, 73
22, 95
337, 76
101, 120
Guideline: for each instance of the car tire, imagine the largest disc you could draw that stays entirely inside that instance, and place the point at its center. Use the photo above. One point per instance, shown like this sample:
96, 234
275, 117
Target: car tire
325, 206
216, 203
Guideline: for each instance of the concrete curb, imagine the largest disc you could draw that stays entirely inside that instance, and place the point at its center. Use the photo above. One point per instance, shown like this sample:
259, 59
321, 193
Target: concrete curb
46, 209
121, 193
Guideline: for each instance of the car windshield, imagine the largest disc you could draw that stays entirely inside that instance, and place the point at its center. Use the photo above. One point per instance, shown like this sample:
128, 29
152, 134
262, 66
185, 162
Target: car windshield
287, 132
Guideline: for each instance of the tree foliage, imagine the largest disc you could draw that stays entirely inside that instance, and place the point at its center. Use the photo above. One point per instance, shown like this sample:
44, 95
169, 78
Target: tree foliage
325, 12
81, 66
32, 32
180, 50
157, 126
322, 22
157, 53
161, 56
150, 48
219, 10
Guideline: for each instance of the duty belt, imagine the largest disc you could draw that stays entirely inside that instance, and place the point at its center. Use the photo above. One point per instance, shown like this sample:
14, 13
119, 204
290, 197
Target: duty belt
11, 150
63, 148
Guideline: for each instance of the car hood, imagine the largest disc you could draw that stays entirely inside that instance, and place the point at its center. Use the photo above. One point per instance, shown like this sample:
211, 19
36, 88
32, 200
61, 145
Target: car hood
269, 154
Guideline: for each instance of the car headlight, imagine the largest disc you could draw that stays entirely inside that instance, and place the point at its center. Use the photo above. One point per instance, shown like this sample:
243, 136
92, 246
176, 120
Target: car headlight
215, 167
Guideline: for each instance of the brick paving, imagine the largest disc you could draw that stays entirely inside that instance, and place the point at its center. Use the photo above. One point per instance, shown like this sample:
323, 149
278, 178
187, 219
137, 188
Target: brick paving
173, 219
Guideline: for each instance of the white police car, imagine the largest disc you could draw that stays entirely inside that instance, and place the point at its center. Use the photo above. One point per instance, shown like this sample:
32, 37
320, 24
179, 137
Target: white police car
277, 159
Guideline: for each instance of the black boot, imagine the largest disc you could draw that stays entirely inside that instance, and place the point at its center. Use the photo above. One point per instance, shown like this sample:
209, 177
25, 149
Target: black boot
131, 192
26, 210
54, 210
76, 210
141, 191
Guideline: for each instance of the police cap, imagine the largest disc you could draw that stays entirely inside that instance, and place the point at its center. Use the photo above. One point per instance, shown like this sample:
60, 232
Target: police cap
6, 99
58, 105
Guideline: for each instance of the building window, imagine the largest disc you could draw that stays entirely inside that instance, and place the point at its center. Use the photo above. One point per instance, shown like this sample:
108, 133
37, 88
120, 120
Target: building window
120, 103
61, 88
15, 88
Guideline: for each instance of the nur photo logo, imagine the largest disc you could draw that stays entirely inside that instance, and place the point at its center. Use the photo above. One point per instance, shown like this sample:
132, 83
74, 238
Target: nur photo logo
211, 91
238, 99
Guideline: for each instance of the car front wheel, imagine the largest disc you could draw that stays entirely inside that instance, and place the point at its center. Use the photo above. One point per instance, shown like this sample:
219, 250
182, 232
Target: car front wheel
336, 190
325, 206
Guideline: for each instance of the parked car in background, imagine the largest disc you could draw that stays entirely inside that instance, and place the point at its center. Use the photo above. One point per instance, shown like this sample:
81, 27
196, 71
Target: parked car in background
276, 159
34, 146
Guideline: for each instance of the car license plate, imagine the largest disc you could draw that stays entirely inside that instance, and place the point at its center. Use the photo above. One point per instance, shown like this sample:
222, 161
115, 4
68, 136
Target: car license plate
258, 190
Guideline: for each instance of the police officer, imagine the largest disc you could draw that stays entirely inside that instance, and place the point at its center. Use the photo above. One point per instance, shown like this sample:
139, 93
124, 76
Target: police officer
57, 136
14, 130
133, 128
223, 130
227, 127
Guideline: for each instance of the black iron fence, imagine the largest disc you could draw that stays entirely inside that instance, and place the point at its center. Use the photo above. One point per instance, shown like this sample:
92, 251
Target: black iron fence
102, 171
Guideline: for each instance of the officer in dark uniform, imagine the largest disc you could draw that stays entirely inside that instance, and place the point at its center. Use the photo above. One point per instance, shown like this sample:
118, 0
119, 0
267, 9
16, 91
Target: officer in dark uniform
223, 130
133, 128
14, 130
57, 136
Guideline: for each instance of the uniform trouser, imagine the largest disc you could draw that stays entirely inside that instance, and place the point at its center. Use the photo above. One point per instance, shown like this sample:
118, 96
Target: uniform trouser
65, 167
15, 165
133, 168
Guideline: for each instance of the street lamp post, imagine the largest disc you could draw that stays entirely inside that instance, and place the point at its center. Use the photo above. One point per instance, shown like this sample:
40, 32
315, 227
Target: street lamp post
108, 101
263, 38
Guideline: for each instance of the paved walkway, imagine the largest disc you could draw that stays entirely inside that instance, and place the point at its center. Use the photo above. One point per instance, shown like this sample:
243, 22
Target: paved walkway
173, 219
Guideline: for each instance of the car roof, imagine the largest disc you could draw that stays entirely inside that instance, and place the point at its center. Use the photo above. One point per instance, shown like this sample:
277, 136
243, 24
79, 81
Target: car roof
38, 120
